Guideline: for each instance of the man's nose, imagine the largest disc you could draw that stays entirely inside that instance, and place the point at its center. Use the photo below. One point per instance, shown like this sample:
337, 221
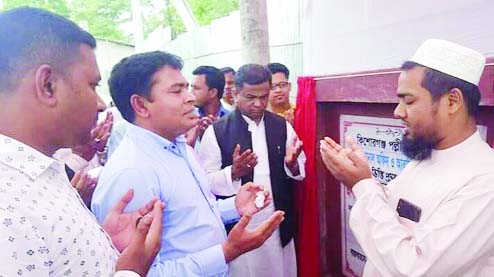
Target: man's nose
190, 97
399, 111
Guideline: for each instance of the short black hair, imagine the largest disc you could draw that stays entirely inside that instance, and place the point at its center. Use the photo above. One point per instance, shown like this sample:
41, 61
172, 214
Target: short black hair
439, 83
134, 75
278, 68
30, 37
252, 74
227, 69
215, 79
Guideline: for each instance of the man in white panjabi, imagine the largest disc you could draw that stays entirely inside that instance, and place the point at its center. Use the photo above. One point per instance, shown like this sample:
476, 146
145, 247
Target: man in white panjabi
435, 218
252, 144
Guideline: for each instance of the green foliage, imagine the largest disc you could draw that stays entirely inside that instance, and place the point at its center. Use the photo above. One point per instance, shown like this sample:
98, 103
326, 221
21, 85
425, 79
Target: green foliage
56, 6
207, 10
162, 17
204, 11
104, 18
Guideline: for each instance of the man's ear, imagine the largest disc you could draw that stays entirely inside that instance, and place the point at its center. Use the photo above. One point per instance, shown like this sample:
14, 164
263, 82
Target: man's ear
213, 93
46, 85
140, 105
455, 100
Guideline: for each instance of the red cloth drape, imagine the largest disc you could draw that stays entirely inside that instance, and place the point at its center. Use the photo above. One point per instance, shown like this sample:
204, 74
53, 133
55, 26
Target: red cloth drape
306, 193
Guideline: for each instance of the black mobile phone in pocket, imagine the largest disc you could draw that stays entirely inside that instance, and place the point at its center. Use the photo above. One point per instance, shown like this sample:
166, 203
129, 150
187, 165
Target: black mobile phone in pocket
408, 210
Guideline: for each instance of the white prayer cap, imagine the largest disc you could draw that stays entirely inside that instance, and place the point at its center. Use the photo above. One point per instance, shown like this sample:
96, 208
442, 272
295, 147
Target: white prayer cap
452, 59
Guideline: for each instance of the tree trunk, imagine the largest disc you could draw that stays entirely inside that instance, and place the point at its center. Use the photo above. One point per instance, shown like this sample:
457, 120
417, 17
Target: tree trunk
254, 31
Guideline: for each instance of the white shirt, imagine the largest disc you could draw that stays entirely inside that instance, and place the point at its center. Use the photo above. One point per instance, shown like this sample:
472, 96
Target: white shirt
45, 228
221, 181
226, 105
270, 259
455, 233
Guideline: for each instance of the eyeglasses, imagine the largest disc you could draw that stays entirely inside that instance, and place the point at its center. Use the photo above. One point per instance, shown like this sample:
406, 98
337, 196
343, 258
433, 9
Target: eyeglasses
280, 85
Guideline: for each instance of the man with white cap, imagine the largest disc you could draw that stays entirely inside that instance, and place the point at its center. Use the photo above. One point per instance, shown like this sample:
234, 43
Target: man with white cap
434, 219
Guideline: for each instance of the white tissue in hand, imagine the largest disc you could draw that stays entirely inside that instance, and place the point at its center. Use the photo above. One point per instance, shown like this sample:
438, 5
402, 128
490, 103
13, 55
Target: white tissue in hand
260, 199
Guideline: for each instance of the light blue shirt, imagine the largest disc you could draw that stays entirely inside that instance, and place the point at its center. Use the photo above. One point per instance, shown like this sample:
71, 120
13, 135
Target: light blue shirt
192, 221
116, 136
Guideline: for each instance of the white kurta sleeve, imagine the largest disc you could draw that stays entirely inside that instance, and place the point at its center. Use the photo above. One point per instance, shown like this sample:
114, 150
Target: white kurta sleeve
219, 179
457, 233
126, 273
290, 134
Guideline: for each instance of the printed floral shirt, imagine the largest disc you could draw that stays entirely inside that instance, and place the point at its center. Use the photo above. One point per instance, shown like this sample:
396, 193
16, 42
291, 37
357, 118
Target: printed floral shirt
45, 228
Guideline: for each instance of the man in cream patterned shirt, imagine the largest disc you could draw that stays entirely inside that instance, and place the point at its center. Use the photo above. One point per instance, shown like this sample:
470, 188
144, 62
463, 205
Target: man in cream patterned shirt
43, 221
48, 74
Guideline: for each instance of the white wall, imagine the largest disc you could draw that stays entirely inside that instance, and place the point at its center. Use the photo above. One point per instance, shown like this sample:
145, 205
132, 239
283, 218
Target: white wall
356, 35
107, 55
218, 44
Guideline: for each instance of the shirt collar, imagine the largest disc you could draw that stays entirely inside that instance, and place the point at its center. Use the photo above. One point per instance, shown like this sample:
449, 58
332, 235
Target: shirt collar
460, 148
153, 138
252, 122
222, 111
200, 111
23, 157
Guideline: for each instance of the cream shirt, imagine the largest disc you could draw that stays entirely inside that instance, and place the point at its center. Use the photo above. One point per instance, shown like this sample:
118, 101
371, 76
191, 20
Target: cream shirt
45, 228
455, 233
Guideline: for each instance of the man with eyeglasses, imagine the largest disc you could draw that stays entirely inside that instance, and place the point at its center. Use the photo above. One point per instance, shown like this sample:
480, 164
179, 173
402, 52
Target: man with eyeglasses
279, 102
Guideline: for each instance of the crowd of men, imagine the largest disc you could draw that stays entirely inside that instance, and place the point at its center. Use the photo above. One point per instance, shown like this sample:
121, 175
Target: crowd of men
199, 181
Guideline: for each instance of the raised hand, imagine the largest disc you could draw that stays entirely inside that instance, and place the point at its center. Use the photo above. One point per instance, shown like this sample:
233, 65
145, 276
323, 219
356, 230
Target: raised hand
197, 132
246, 196
84, 185
121, 226
144, 244
101, 133
241, 240
348, 165
99, 138
293, 150
243, 164
204, 123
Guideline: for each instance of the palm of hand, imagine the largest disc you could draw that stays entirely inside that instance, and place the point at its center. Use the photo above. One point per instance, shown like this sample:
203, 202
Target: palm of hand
120, 227
348, 165
293, 150
291, 154
245, 202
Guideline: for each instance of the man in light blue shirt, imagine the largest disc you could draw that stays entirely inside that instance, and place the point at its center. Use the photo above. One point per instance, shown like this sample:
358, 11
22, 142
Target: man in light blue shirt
154, 159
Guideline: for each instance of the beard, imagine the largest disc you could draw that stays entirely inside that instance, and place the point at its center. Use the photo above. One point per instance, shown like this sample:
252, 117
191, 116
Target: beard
419, 148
